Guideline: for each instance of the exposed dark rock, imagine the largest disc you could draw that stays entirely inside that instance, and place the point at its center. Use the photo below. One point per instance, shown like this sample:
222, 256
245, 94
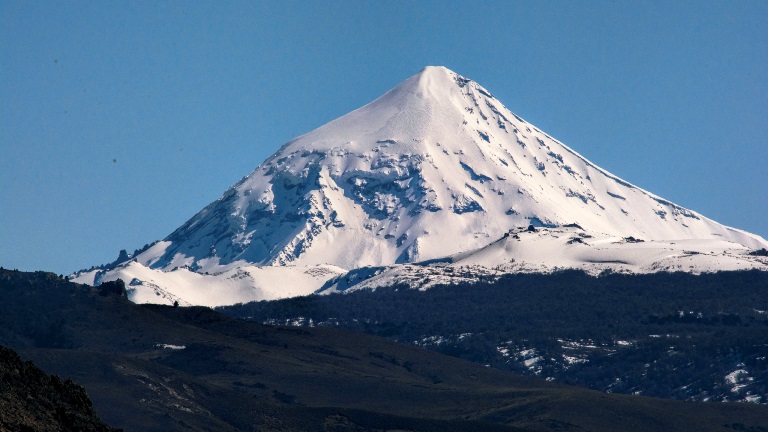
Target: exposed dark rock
112, 288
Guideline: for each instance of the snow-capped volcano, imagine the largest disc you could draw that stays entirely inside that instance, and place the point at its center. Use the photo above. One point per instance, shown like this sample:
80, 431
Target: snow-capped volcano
435, 167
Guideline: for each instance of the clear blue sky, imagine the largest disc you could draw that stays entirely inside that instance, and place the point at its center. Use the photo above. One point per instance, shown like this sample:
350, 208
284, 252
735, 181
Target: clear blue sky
120, 120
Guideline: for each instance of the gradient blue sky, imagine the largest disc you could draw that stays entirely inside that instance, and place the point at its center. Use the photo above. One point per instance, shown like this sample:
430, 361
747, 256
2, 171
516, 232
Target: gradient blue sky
120, 120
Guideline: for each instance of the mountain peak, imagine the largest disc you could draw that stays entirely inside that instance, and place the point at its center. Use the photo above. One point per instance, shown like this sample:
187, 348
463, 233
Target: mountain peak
436, 82
436, 69
433, 77
433, 73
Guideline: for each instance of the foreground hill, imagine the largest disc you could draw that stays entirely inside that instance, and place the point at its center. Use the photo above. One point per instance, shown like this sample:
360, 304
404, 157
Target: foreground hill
163, 368
31, 400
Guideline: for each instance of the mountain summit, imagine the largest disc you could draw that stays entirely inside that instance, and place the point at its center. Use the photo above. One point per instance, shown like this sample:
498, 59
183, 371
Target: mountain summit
435, 167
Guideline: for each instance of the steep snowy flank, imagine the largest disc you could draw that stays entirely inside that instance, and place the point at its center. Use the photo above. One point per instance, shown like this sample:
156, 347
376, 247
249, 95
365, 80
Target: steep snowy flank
435, 167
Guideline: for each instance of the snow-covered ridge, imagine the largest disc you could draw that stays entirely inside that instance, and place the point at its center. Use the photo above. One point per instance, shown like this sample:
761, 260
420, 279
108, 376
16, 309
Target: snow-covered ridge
547, 250
433, 168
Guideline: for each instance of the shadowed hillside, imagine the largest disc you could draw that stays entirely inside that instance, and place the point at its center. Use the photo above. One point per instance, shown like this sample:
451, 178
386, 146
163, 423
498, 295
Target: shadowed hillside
31, 400
164, 368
